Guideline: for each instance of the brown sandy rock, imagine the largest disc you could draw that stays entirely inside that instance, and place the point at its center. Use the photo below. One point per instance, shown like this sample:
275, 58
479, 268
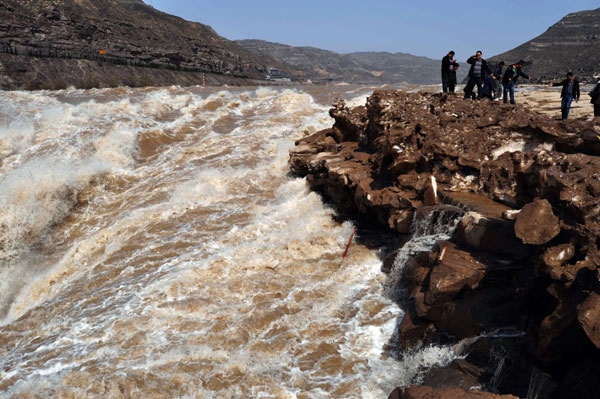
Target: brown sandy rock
412, 329
457, 269
351, 124
559, 255
496, 235
588, 314
425, 392
458, 374
536, 223
401, 220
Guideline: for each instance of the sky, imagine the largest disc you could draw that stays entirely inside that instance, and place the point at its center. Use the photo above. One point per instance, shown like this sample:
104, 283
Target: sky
428, 28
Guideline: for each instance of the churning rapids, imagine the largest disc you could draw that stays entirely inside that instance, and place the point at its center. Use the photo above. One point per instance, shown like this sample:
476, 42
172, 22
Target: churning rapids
154, 245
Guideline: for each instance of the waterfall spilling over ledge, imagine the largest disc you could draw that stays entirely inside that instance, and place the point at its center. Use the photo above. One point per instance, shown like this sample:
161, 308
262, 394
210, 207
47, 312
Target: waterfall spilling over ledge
153, 244
524, 255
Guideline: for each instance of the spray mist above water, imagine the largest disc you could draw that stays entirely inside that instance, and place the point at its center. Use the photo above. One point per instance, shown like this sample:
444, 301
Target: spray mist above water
153, 244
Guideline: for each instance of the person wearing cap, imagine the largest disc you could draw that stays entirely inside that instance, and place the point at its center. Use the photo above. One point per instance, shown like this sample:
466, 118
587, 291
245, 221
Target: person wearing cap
479, 68
448, 65
570, 91
511, 75
595, 94
498, 80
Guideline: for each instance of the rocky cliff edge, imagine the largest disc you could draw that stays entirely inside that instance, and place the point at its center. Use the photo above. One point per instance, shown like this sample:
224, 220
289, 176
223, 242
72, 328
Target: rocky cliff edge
516, 289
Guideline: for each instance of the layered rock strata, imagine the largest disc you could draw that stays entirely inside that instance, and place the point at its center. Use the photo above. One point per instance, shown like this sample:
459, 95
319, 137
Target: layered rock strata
43, 44
571, 44
516, 289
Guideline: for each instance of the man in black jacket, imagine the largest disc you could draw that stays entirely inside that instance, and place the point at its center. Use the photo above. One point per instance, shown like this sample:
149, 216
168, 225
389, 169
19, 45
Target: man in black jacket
595, 94
570, 91
511, 75
479, 68
448, 65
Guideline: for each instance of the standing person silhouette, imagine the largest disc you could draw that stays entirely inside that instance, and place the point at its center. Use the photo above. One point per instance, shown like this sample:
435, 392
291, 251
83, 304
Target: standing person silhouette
498, 80
448, 65
569, 92
511, 75
479, 68
595, 94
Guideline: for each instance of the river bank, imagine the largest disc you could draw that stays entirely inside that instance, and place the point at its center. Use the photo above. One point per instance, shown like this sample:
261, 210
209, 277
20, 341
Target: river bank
515, 288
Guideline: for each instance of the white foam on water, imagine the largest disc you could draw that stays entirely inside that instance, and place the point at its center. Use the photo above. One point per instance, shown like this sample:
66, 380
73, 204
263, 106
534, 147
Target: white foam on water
203, 271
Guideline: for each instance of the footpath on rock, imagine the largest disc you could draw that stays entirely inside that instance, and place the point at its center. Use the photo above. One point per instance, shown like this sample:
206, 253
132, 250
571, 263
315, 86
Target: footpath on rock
516, 288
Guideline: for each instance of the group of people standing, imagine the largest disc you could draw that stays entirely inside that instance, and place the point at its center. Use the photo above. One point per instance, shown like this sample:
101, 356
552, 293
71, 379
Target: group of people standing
491, 84
480, 75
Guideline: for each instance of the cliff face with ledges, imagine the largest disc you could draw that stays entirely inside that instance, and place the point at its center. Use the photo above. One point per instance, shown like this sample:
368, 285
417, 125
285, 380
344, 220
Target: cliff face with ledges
128, 33
516, 287
572, 44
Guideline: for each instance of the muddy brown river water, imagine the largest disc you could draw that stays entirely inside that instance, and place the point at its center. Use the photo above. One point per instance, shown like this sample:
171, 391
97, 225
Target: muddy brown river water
154, 245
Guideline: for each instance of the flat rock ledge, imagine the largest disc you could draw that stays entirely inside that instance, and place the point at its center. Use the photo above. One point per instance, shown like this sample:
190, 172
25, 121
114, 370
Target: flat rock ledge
516, 288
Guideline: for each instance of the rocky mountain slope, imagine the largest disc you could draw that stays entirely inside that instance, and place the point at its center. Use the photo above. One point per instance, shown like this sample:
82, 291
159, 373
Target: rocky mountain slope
360, 68
113, 32
516, 289
572, 44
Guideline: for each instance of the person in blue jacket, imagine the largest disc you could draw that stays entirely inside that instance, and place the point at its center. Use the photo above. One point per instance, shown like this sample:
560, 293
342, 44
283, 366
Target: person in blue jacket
570, 92
489, 88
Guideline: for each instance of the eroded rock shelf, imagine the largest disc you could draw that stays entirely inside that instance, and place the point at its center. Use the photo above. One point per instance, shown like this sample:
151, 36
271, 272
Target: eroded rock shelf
524, 256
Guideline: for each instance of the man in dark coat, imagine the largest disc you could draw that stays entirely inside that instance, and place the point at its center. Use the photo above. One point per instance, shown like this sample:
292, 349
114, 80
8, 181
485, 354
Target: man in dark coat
479, 68
498, 74
448, 65
570, 92
595, 94
511, 75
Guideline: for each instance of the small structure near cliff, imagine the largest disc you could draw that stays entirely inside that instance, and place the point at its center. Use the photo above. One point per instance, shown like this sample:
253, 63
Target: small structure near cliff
537, 276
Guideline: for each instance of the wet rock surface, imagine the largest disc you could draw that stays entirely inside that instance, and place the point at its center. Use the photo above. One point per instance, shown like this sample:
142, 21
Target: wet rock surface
516, 288
426, 392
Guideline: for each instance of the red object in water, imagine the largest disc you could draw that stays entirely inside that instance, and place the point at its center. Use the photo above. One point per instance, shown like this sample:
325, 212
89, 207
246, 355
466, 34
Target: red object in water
349, 242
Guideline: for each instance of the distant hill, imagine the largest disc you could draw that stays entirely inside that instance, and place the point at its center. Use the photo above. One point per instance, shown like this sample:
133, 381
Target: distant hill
571, 44
126, 33
360, 68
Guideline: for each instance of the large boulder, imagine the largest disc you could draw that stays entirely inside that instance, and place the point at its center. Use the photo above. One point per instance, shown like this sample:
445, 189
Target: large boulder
456, 269
495, 235
536, 223
588, 315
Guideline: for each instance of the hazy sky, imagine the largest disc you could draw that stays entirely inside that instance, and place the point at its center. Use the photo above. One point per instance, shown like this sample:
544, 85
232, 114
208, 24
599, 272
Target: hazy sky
422, 27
